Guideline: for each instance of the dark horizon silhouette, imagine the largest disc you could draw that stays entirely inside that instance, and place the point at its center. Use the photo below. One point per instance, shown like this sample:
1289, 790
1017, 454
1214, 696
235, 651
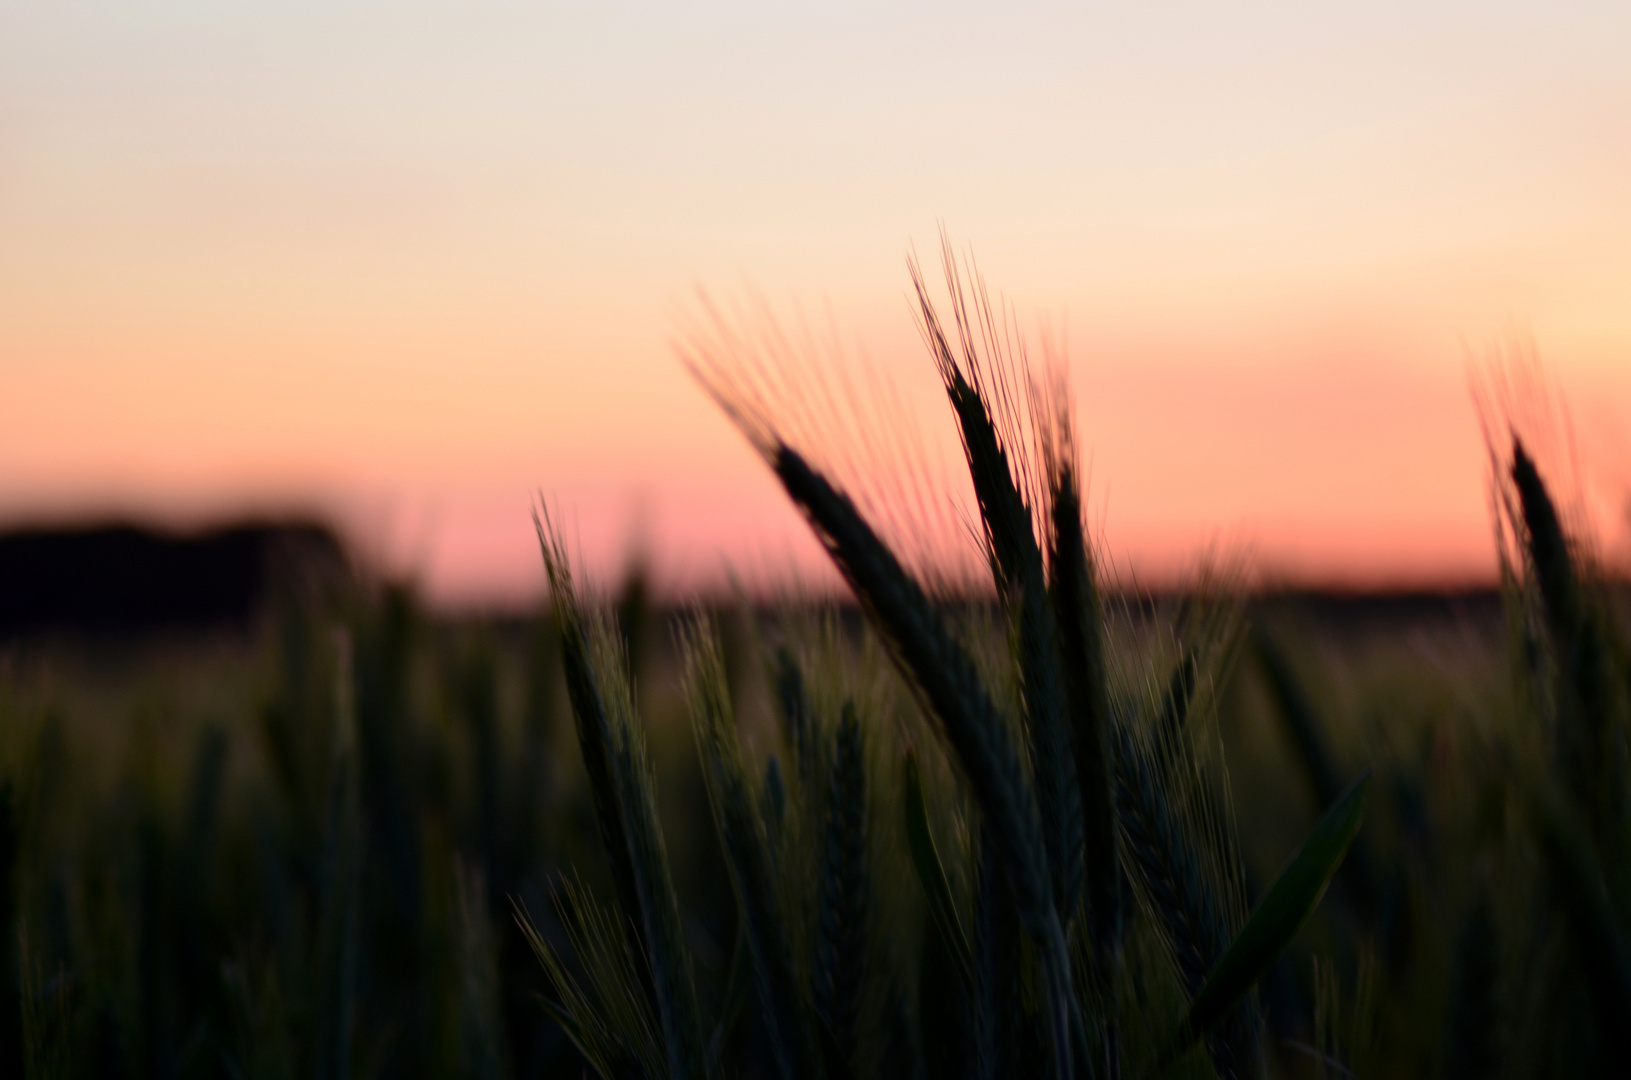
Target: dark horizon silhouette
118, 577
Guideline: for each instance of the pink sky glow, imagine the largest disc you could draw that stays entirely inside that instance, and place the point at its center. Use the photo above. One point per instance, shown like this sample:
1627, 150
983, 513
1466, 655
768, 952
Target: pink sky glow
408, 266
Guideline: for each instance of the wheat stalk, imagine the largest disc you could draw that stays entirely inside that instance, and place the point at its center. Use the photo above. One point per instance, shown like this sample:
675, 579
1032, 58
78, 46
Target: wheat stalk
841, 943
621, 785
742, 834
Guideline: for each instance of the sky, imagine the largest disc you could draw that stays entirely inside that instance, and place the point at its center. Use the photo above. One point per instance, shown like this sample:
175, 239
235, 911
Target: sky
410, 265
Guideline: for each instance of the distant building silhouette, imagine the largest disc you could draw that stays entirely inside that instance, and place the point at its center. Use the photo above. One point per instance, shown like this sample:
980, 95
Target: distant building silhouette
121, 578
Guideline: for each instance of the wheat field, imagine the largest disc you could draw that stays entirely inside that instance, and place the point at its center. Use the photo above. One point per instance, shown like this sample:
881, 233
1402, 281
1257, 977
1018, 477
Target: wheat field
1027, 824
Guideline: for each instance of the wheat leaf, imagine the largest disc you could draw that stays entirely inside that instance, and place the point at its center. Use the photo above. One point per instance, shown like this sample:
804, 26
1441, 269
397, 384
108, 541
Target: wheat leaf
1279, 915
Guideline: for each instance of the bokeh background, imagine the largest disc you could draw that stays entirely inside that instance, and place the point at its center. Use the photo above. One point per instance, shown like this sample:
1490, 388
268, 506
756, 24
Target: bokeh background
405, 265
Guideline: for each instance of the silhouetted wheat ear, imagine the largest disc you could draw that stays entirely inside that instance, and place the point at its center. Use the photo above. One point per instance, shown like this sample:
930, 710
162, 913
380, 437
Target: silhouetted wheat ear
611, 1019
741, 834
659, 906
798, 720
1016, 558
1180, 694
1590, 750
841, 943
591, 721
620, 779
1166, 868
946, 677
1547, 546
1073, 589
942, 671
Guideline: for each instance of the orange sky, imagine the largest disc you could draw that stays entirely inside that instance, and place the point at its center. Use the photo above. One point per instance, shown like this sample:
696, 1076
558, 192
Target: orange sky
410, 264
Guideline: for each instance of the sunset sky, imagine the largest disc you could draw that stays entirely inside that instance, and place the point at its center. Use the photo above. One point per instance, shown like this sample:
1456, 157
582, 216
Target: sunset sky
408, 264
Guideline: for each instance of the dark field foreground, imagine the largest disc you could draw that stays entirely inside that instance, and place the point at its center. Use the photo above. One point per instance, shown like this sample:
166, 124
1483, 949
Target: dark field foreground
298, 848
1019, 826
